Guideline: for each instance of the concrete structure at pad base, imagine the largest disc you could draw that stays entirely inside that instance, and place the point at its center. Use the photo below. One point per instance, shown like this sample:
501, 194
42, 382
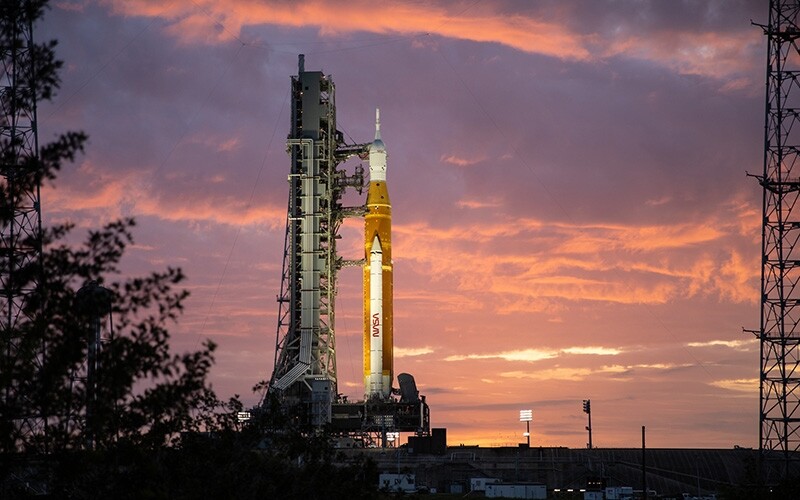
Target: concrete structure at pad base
371, 421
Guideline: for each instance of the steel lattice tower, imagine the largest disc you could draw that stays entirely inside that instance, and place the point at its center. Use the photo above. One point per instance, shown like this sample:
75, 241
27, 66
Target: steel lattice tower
20, 223
305, 352
779, 333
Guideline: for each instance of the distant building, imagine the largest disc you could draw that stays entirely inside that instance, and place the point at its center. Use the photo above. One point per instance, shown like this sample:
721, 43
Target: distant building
406, 483
619, 493
516, 490
479, 483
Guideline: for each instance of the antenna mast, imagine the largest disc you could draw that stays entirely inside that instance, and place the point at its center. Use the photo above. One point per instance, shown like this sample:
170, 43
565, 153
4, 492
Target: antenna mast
779, 333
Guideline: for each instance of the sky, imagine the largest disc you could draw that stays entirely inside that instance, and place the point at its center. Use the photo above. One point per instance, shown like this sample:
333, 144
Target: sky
572, 217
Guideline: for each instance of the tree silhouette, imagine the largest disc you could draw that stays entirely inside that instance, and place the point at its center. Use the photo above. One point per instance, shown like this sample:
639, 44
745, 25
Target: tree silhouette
142, 393
126, 417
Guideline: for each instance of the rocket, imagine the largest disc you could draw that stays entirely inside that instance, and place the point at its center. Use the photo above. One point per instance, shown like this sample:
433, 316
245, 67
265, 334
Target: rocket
378, 340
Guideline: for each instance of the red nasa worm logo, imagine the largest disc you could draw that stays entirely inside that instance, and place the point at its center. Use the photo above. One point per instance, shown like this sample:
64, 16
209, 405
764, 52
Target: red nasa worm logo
376, 323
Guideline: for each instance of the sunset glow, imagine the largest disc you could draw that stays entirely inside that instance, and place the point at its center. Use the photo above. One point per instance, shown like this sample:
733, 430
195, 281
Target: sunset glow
571, 214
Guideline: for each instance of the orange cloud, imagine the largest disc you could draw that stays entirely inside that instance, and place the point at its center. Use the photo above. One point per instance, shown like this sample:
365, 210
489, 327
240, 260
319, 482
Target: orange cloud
561, 373
578, 374
409, 352
589, 238
697, 53
477, 204
131, 195
719, 55
214, 142
532, 355
749, 385
220, 20
520, 355
550, 263
739, 345
596, 350
460, 161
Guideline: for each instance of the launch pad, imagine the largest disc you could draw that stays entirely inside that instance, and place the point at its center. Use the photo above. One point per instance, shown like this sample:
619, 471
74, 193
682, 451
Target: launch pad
304, 377
372, 421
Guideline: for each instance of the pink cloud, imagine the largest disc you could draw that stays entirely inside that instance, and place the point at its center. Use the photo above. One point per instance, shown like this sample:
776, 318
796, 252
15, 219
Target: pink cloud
628, 264
478, 204
206, 22
131, 195
698, 53
460, 161
708, 53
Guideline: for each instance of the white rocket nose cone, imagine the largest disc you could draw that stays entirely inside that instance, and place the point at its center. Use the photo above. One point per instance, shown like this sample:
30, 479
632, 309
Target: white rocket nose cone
377, 146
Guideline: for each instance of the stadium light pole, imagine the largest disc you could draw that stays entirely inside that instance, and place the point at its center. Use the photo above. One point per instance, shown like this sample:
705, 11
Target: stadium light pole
587, 409
526, 416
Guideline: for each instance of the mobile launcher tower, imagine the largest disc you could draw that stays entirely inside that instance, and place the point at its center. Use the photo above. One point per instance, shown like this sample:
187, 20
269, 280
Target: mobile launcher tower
304, 376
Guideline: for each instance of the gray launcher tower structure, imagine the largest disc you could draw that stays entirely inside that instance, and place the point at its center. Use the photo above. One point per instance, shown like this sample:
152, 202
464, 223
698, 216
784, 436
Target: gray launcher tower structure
305, 351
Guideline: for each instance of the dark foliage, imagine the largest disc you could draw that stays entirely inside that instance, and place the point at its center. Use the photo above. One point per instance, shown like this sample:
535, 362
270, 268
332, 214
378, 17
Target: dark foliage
142, 394
144, 421
145, 394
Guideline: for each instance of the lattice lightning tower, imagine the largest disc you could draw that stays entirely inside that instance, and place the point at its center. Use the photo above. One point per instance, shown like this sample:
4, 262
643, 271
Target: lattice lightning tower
779, 333
20, 223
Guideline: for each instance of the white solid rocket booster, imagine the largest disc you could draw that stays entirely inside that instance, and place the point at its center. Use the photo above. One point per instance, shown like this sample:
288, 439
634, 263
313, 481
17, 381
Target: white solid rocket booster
376, 317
